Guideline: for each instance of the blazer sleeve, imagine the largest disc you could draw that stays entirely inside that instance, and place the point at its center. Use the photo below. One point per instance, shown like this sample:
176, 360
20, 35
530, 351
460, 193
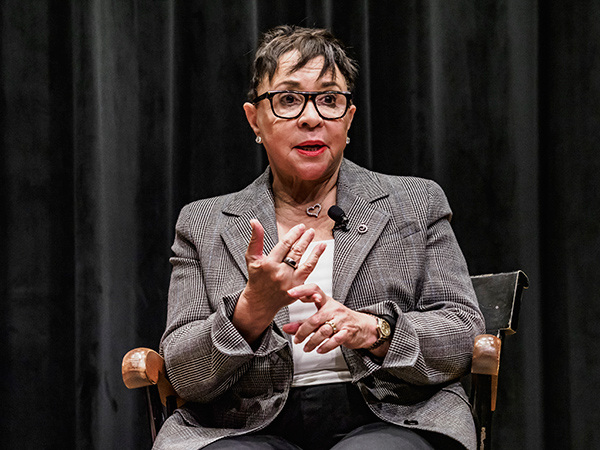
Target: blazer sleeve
433, 342
204, 352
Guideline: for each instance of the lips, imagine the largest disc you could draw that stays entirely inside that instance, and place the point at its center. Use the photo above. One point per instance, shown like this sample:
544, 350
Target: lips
311, 148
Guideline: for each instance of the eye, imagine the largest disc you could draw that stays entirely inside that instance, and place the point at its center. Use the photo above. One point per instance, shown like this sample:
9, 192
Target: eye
329, 100
289, 99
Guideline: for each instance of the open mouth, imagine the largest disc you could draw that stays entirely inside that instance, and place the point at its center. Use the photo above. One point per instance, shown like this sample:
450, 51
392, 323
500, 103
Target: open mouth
312, 148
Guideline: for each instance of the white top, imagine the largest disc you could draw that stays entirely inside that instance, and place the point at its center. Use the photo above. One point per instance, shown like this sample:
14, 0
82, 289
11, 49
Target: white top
314, 368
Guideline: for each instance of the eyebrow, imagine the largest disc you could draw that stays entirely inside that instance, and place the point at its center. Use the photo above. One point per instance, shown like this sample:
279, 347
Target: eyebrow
294, 85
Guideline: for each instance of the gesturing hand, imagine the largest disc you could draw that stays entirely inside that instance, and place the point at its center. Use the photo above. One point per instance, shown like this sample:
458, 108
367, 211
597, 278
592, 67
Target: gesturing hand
332, 325
269, 277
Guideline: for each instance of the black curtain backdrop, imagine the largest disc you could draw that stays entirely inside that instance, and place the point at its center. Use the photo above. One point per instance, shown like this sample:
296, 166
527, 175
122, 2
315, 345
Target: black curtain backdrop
115, 113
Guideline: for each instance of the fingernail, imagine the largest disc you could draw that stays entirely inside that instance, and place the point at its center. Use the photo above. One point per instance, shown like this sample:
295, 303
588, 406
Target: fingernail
291, 292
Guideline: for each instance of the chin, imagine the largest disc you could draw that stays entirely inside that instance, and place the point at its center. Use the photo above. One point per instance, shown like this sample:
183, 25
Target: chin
316, 172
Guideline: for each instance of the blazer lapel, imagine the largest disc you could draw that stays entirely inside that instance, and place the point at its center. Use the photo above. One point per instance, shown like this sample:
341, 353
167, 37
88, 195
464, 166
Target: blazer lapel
254, 202
357, 192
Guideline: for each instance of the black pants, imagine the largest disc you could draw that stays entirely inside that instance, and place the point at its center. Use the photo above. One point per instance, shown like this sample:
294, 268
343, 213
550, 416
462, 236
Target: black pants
333, 416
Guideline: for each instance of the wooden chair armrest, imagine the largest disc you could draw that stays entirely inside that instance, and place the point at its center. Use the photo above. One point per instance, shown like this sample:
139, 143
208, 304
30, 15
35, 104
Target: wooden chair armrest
144, 367
486, 361
141, 367
486, 355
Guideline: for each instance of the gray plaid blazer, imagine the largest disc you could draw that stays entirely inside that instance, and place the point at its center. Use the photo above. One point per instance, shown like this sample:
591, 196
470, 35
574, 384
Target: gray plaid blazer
407, 263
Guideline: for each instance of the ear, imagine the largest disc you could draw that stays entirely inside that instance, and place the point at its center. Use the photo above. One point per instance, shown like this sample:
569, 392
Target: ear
251, 116
350, 115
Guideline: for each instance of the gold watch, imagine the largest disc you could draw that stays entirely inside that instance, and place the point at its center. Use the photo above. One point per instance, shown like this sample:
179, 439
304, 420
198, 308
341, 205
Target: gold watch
384, 332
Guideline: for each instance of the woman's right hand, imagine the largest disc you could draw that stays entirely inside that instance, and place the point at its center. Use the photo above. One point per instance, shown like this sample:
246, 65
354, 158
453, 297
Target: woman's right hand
269, 278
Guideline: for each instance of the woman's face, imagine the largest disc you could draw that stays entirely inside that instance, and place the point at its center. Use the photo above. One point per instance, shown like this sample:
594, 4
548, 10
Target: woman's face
308, 148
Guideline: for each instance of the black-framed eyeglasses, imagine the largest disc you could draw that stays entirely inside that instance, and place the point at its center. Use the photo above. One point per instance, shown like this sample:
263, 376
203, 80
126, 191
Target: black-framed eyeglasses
330, 105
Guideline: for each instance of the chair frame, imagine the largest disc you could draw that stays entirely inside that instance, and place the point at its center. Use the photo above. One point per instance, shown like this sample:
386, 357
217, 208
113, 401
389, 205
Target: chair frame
499, 296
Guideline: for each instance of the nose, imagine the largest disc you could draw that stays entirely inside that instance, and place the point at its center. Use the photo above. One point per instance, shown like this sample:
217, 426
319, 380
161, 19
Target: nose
310, 117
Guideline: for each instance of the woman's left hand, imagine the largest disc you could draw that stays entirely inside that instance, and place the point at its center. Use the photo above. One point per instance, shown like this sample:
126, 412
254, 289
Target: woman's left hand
333, 324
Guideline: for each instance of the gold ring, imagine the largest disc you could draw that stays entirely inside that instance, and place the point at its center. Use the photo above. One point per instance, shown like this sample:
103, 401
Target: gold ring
331, 323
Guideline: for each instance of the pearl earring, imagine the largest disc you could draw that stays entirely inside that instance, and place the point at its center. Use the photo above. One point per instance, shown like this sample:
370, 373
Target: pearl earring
258, 140
347, 140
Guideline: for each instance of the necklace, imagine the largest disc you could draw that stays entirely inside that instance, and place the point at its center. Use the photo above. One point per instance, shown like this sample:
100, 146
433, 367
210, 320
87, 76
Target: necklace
314, 210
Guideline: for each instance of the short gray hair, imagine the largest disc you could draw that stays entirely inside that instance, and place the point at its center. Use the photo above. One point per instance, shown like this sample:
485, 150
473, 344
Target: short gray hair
310, 43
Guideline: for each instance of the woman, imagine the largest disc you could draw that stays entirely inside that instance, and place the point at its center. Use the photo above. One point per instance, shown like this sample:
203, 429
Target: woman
286, 329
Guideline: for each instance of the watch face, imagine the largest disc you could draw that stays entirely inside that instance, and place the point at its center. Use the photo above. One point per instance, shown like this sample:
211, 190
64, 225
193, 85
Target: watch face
384, 327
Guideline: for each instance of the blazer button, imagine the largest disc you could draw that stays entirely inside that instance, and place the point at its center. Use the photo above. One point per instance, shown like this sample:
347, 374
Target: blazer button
411, 422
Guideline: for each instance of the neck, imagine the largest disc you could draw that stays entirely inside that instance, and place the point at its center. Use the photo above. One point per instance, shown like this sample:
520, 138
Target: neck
291, 207
304, 197
300, 193
291, 211
293, 197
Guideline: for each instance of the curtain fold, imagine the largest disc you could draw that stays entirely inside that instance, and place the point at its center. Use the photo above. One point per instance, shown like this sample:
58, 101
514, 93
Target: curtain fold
114, 114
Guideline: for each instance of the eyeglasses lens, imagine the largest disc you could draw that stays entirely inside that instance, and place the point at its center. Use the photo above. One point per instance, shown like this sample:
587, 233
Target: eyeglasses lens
290, 104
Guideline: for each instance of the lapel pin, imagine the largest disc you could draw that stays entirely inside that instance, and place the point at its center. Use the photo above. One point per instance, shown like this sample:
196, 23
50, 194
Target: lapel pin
362, 228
